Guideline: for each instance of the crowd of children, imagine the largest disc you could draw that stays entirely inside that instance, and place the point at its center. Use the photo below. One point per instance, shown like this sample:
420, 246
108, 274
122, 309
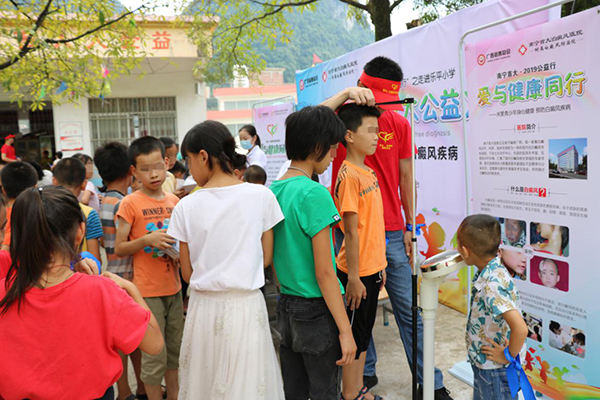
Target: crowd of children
219, 238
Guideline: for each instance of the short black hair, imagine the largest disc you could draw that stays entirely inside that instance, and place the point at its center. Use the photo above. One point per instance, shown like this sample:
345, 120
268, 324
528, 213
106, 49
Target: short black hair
352, 116
83, 157
144, 146
46, 152
112, 161
255, 174
554, 326
70, 172
383, 67
168, 142
581, 337
59, 155
311, 132
480, 233
16, 177
178, 167
38, 169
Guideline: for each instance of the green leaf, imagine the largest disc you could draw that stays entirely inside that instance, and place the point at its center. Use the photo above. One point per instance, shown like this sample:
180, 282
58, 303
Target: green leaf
101, 17
19, 36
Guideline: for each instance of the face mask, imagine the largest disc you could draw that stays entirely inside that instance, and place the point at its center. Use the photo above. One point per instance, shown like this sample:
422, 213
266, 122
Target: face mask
246, 144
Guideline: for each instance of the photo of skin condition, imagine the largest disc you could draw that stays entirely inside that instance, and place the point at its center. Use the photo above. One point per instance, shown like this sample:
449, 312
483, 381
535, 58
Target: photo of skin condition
553, 274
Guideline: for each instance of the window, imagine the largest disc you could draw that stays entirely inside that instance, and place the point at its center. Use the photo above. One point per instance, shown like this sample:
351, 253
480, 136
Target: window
230, 105
124, 120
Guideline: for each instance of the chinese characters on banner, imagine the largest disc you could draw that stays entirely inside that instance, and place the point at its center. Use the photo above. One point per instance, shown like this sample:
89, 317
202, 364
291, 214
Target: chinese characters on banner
431, 78
270, 126
531, 129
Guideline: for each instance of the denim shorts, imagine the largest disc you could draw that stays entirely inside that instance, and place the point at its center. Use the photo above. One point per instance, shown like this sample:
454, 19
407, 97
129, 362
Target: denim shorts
309, 349
491, 384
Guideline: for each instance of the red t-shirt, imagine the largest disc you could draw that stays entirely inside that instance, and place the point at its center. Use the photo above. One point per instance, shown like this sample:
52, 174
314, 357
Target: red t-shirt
63, 343
394, 145
5, 262
9, 151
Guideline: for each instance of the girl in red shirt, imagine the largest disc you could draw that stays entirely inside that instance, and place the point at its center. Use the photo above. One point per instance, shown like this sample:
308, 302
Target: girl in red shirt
60, 331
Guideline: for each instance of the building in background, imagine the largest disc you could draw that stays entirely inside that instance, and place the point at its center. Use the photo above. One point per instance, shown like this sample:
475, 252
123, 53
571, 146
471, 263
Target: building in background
568, 159
162, 97
235, 103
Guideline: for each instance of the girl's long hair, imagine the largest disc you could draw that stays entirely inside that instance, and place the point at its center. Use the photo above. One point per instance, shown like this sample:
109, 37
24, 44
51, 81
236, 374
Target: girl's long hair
43, 223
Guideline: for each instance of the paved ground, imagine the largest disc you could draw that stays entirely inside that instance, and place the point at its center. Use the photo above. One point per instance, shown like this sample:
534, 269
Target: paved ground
392, 368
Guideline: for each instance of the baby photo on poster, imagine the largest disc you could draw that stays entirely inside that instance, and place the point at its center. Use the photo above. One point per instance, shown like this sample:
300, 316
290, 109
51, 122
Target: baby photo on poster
549, 273
514, 232
515, 262
549, 238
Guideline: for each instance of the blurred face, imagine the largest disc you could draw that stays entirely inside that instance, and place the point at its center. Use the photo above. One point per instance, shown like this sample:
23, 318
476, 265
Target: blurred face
199, 168
151, 170
321, 166
10, 141
549, 273
513, 230
514, 261
171, 154
364, 140
89, 169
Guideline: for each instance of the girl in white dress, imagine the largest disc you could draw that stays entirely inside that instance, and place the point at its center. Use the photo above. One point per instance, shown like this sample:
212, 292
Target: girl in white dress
226, 240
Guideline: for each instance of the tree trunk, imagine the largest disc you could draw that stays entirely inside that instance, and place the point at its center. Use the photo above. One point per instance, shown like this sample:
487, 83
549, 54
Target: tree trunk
381, 17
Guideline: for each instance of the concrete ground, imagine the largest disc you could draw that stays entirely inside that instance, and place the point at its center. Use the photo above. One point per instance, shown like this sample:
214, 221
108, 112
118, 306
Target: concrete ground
395, 379
392, 368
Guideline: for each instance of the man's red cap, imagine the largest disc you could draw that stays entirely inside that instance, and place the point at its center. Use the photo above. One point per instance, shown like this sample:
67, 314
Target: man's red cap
9, 137
384, 90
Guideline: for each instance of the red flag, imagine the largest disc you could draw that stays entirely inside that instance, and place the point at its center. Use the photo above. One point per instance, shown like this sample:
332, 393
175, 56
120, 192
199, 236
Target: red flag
316, 59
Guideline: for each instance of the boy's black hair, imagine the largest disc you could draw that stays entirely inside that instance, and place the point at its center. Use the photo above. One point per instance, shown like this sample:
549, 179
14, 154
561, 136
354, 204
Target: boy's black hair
480, 233
352, 116
581, 337
311, 132
38, 169
83, 157
59, 155
383, 67
168, 142
178, 167
255, 174
70, 172
112, 161
554, 326
16, 177
144, 146
252, 131
239, 163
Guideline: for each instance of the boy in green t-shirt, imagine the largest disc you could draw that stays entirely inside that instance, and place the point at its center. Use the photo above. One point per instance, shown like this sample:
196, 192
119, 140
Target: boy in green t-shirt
316, 334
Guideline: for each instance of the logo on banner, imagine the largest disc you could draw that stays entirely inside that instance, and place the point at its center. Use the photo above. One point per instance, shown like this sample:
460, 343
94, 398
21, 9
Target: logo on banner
301, 84
308, 82
324, 76
523, 49
481, 59
272, 129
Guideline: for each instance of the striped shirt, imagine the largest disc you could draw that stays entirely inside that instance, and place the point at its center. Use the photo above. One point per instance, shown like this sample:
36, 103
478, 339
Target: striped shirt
108, 211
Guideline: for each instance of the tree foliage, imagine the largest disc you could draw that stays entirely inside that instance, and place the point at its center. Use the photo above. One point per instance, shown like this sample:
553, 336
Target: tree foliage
55, 50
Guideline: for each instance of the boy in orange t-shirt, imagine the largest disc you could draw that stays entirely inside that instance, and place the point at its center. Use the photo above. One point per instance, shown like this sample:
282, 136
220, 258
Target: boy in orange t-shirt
144, 217
361, 261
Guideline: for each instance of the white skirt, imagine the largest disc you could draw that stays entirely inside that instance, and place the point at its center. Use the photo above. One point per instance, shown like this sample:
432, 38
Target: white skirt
227, 352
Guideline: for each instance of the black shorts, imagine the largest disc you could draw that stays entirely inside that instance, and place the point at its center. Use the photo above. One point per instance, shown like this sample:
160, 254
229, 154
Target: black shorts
362, 319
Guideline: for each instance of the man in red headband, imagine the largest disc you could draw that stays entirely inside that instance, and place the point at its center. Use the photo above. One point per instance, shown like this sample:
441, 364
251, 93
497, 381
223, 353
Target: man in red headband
8, 151
380, 83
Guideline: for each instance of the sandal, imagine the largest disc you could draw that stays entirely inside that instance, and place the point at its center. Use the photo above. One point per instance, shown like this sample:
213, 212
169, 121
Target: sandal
359, 397
365, 390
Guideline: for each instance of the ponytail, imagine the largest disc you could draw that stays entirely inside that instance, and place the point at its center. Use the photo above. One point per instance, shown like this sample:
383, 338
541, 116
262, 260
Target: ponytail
43, 223
214, 138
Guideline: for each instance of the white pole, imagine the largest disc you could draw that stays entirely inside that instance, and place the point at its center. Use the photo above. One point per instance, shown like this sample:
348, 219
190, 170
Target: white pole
429, 304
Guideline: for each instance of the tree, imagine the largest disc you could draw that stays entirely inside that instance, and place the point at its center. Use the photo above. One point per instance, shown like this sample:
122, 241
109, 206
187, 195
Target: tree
57, 50
244, 23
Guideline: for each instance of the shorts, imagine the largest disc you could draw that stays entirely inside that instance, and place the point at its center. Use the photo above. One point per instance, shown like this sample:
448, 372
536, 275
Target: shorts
168, 311
363, 318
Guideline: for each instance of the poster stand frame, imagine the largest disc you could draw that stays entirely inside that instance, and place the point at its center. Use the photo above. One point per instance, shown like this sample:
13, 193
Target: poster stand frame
462, 370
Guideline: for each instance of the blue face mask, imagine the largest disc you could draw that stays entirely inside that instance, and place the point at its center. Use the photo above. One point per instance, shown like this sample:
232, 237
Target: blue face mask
246, 144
